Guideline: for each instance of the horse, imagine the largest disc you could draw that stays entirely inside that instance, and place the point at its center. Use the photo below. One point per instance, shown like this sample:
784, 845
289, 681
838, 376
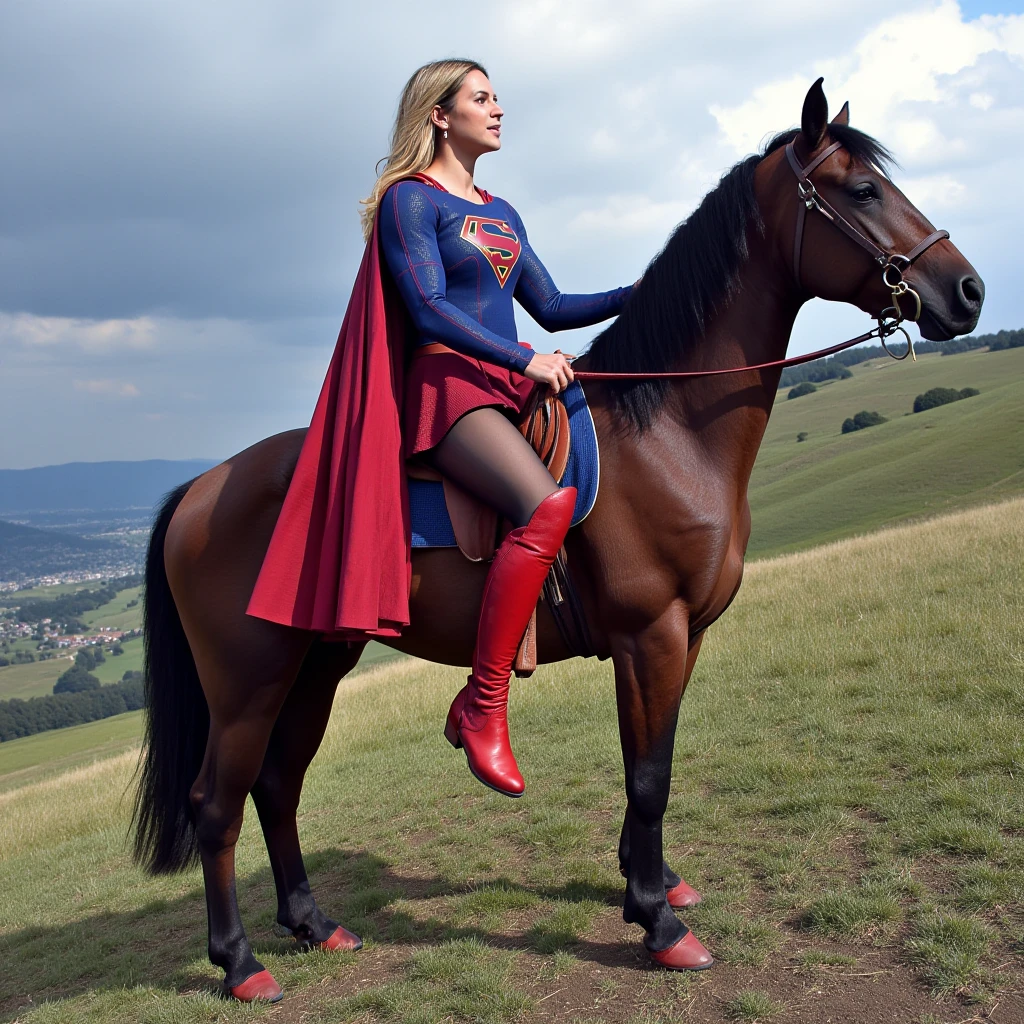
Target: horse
239, 705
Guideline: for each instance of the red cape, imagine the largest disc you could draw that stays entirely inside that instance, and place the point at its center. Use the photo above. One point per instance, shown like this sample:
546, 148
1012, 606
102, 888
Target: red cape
340, 559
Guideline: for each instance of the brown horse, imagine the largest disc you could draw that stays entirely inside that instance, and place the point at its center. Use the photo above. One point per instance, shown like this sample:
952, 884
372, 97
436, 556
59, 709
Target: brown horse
238, 705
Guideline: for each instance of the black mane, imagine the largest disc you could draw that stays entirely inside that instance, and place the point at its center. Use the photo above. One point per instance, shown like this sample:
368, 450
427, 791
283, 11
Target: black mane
693, 277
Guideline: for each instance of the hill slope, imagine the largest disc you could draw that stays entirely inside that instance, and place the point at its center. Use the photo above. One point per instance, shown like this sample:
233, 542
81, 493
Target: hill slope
845, 795
833, 484
26, 551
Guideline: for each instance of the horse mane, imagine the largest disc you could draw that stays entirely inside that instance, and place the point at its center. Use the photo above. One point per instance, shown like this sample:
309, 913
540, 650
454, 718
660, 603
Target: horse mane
693, 277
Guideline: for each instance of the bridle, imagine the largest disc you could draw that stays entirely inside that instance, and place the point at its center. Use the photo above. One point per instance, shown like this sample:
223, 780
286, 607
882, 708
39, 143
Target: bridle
894, 266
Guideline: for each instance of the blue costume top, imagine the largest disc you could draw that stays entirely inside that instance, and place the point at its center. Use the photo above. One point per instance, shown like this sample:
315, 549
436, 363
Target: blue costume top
458, 264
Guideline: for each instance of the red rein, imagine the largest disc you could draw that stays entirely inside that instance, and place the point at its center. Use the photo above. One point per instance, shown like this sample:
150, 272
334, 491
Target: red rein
792, 361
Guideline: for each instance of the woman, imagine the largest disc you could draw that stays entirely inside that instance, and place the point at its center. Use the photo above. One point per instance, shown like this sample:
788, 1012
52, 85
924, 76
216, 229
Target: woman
457, 256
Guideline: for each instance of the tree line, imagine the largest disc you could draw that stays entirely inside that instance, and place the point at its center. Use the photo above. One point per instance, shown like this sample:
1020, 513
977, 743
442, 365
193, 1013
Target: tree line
59, 710
835, 367
69, 607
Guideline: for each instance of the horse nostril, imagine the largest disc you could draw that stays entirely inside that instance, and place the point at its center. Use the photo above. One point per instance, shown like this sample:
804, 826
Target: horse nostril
970, 292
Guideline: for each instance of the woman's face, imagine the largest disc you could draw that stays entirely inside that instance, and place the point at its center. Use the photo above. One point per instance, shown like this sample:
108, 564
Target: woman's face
474, 122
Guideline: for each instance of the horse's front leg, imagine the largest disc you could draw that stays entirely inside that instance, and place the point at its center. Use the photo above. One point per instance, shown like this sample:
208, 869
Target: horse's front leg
678, 892
650, 672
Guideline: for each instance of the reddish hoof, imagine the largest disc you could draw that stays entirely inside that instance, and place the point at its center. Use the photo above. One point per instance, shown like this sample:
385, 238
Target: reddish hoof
260, 986
342, 938
688, 954
682, 895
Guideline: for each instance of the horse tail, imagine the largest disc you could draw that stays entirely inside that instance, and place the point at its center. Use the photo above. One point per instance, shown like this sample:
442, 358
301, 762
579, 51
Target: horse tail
177, 720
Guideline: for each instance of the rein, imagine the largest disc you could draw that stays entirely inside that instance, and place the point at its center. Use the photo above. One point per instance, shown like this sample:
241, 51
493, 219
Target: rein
894, 266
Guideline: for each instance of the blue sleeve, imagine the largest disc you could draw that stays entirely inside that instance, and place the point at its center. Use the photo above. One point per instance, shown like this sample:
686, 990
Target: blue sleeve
555, 310
408, 232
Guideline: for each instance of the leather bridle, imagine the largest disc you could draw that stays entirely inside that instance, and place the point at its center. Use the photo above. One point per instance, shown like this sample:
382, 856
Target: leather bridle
894, 266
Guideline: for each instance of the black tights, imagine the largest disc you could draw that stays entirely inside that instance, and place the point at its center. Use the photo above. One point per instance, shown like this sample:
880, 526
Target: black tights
485, 454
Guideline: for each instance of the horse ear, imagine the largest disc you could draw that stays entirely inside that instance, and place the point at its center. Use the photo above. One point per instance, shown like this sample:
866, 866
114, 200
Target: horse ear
843, 117
814, 119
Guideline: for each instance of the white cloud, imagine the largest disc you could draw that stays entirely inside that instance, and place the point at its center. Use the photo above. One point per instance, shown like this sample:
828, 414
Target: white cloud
99, 336
187, 177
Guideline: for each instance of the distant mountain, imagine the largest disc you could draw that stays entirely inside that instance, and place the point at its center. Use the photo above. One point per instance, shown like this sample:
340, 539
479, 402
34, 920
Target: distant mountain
27, 553
94, 485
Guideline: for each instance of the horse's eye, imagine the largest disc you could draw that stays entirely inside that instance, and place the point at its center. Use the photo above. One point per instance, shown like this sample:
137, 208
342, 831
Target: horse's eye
865, 192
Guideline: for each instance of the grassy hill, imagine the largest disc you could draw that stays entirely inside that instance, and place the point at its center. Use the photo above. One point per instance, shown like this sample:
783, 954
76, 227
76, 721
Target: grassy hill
846, 795
834, 485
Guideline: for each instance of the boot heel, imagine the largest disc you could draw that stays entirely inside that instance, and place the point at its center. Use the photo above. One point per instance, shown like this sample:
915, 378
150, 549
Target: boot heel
451, 734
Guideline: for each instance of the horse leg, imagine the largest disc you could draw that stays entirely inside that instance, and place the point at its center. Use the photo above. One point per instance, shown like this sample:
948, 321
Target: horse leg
650, 668
677, 891
245, 686
295, 740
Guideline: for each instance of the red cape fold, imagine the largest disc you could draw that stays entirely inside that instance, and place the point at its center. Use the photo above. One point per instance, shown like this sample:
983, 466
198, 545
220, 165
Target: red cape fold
340, 559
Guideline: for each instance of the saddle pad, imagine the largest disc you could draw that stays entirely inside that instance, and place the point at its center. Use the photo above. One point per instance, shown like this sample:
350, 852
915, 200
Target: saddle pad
431, 526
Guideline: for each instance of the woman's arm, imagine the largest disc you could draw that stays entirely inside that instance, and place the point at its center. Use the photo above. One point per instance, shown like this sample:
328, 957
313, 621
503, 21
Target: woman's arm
408, 230
555, 310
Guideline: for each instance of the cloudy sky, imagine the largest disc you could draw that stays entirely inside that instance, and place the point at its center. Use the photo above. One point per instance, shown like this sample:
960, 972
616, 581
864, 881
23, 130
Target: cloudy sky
179, 228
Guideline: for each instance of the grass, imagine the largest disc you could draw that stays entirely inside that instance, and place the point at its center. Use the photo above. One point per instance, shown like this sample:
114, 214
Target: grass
116, 614
32, 680
33, 758
37, 679
949, 951
955, 456
752, 1006
846, 786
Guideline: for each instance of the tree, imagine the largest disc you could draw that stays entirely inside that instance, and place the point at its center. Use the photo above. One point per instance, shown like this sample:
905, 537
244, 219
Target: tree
805, 388
861, 420
76, 680
89, 658
935, 397
116, 650
802, 436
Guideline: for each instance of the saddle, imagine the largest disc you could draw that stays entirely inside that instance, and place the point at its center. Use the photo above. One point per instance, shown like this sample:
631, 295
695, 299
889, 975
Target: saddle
478, 527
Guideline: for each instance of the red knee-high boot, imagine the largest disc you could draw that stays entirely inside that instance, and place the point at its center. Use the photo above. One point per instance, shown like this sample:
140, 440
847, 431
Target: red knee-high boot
477, 719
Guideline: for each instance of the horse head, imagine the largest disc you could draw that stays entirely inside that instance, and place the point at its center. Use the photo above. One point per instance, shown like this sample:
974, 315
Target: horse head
849, 234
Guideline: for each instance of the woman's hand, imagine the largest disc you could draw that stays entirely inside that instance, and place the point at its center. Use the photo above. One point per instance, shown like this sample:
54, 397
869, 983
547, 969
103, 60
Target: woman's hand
553, 370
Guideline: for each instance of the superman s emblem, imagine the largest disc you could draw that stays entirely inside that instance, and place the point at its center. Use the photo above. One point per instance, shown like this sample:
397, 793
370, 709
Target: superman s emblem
496, 240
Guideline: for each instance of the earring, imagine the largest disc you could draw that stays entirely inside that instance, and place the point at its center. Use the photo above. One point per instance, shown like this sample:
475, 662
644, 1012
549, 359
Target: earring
446, 133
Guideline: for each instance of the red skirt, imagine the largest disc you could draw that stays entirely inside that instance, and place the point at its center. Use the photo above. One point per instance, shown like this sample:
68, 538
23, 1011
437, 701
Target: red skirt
442, 385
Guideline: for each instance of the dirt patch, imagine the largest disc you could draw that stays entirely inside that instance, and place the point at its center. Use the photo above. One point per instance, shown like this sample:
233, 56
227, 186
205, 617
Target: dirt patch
608, 977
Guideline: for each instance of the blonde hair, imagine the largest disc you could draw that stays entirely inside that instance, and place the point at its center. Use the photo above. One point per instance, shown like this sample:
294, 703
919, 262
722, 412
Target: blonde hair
412, 137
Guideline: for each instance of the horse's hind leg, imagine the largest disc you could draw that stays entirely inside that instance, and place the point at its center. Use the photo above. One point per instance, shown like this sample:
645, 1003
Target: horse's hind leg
244, 700
296, 737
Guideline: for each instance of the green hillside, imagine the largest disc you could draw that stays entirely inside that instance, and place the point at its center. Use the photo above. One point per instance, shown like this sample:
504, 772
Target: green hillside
116, 614
846, 797
834, 485
34, 758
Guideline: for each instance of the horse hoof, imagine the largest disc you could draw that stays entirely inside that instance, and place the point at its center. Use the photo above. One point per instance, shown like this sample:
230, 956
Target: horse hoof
683, 895
260, 986
342, 938
688, 954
